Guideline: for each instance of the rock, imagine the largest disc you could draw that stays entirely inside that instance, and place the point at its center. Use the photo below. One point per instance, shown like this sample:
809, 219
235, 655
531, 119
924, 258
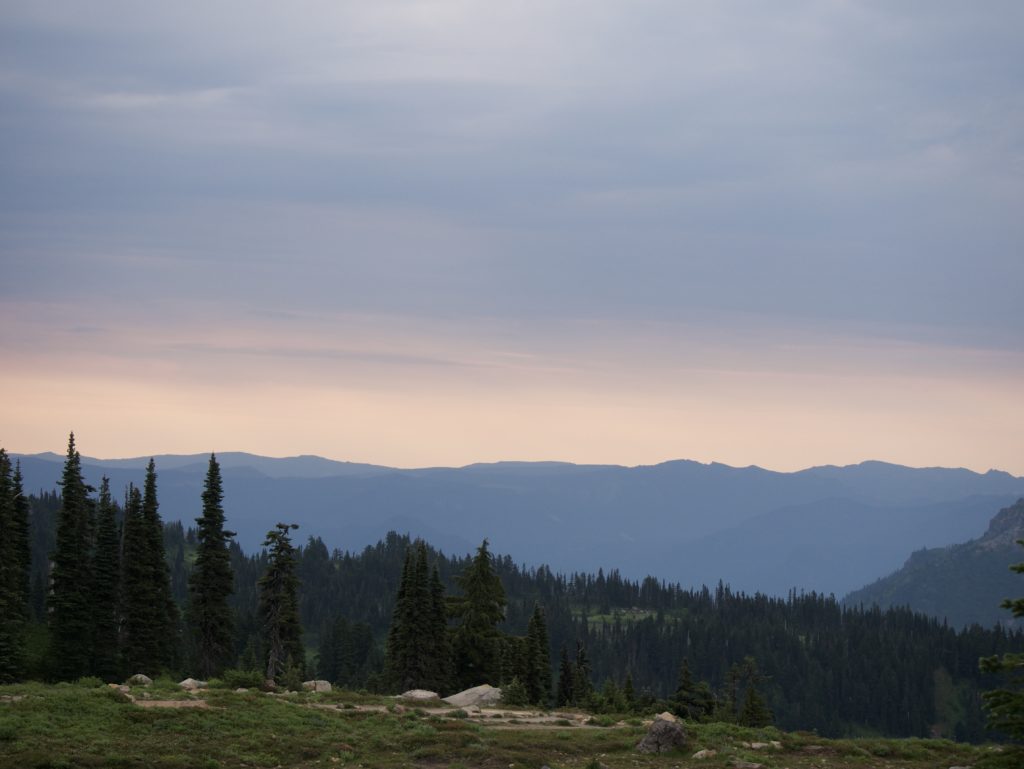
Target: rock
701, 754
140, 680
662, 737
316, 686
739, 763
484, 694
759, 745
775, 744
192, 684
241, 690
961, 767
666, 716
419, 694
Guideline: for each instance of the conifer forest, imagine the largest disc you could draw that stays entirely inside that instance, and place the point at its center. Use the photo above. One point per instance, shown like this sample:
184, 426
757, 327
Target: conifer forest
94, 583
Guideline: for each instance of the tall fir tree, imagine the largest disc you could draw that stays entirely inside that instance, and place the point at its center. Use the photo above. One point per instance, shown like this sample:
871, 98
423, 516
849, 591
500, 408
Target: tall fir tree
140, 644
692, 701
417, 648
13, 605
564, 694
20, 535
279, 606
211, 623
476, 640
538, 674
72, 610
107, 587
165, 609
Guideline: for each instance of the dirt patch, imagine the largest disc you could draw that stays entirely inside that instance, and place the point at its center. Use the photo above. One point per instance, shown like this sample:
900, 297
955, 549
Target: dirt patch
172, 703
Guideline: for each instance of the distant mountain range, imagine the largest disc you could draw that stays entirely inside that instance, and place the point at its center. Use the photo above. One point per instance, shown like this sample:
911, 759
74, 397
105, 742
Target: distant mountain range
830, 529
963, 584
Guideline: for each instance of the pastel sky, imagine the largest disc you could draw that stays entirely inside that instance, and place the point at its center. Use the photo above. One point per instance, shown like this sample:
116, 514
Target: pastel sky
440, 232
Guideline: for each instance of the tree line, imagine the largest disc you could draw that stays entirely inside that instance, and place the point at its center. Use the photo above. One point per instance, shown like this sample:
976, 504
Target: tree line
97, 586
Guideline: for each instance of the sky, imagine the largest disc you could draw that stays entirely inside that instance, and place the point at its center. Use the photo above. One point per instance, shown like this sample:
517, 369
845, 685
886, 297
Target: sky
443, 232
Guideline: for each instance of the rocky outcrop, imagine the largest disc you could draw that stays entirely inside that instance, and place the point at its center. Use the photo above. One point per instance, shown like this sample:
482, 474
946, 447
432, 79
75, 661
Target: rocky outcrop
484, 695
662, 737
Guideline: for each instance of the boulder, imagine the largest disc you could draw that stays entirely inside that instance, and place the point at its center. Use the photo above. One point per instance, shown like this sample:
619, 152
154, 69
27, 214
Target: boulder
139, 680
662, 737
192, 684
484, 695
666, 716
419, 694
706, 753
316, 686
739, 763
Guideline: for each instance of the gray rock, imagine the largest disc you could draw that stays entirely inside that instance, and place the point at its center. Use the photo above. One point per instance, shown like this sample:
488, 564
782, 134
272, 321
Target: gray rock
706, 753
484, 695
662, 737
192, 684
316, 686
739, 763
140, 680
419, 694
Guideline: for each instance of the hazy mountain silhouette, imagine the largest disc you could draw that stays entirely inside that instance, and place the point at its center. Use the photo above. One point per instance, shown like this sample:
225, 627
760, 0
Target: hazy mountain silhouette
829, 529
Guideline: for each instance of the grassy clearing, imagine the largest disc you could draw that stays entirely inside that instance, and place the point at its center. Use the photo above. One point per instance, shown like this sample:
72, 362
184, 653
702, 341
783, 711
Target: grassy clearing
85, 725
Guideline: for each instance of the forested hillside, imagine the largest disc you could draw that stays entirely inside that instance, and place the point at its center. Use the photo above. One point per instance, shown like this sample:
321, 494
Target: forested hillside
957, 583
837, 670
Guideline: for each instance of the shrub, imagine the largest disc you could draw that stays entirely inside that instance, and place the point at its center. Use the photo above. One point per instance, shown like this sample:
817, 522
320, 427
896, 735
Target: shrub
242, 679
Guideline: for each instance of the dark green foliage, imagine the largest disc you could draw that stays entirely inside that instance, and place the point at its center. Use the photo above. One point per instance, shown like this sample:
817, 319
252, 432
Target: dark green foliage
692, 700
107, 588
514, 694
165, 610
417, 648
13, 574
347, 654
279, 607
211, 623
72, 610
538, 680
476, 643
139, 643
582, 687
564, 694
1006, 705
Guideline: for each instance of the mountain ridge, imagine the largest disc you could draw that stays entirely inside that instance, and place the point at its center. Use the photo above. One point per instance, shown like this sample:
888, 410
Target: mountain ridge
754, 528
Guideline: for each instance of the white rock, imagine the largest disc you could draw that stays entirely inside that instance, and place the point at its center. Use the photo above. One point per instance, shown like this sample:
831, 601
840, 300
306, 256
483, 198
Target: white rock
701, 754
419, 694
317, 686
192, 684
484, 694
666, 716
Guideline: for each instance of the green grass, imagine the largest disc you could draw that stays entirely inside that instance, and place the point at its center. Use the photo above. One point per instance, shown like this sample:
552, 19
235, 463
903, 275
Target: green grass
70, 725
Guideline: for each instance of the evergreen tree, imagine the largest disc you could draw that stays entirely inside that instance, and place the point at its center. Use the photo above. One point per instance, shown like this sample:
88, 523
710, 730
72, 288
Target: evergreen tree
476, 639
582, 688
417, 649
165, 609
629, 693
440, 652
72, 610
692, 701
211, 621
140, 642
538, 679
279, 606
565, 694
106, 588
1006, 705
13, 605
20, 542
